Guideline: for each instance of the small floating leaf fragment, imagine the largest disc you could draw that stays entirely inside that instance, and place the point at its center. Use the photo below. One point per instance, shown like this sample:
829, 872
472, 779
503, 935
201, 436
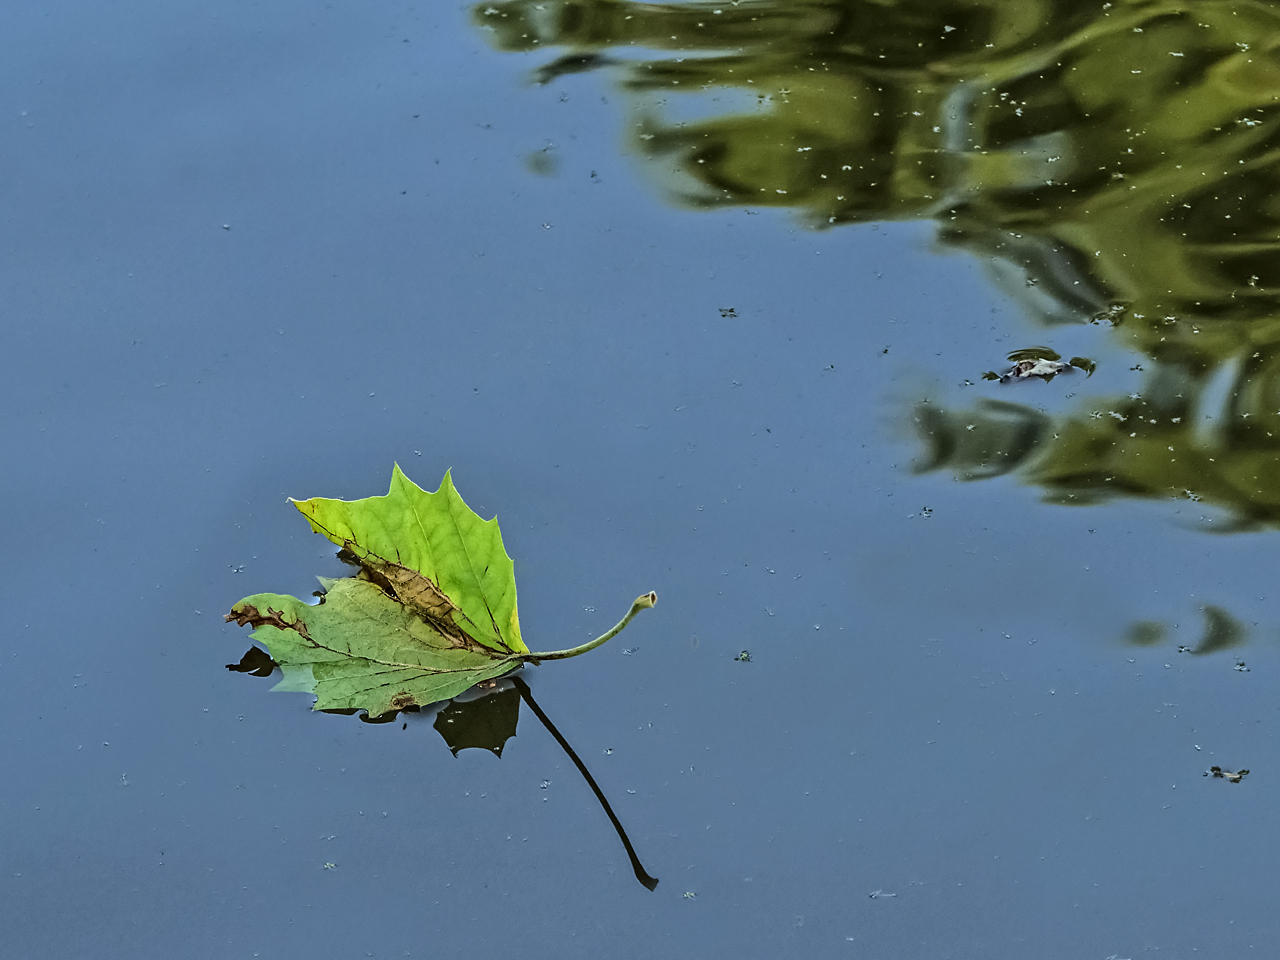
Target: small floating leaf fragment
1114, 314
1043, 363
1219, 773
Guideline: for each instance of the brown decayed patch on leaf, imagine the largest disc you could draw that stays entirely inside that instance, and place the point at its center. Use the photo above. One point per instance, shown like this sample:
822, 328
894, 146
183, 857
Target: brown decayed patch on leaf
248, 614
415, 590
422, 596
403, 700
410, 587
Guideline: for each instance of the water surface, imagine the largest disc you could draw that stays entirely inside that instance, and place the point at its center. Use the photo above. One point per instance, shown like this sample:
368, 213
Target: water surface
258, 253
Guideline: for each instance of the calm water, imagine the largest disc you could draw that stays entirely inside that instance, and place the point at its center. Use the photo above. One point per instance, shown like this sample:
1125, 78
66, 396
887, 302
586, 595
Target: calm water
696, 299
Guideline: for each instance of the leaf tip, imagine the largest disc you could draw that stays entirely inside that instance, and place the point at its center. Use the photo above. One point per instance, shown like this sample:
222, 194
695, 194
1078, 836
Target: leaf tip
398, 479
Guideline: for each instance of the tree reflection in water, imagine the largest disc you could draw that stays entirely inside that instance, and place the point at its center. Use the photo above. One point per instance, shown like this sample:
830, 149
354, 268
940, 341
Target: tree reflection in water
1116, 164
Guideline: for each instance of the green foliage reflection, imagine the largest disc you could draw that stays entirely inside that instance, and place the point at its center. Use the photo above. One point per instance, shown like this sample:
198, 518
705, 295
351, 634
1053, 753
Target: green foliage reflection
1116, 162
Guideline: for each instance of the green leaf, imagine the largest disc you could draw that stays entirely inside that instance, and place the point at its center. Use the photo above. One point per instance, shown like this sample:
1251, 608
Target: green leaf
361, 649
431, 551
431, 613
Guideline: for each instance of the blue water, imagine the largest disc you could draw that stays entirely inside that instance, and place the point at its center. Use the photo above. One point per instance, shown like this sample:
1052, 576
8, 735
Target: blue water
260, 252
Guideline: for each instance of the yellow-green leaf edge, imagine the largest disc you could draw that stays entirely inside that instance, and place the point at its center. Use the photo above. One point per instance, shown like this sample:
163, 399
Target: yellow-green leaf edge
442, 538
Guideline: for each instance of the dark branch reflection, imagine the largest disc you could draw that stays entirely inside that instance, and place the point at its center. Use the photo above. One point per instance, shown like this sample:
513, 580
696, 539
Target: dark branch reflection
647, 881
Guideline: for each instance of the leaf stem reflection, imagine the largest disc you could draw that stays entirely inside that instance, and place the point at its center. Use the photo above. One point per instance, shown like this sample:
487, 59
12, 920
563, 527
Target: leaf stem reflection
648, 882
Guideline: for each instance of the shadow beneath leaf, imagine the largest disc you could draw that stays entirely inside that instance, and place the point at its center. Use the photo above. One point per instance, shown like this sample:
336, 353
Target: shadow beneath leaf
256, 661
485, 723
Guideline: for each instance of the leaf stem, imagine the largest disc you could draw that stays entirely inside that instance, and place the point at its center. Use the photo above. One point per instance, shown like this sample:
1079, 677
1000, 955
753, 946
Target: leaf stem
643, 602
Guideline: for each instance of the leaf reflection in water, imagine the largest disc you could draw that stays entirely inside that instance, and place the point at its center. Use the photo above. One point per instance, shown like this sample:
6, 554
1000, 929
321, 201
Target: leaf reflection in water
1222, 631
485, 718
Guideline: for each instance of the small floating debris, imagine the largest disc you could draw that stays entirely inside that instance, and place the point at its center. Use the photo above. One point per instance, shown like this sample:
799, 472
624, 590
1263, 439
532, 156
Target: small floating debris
1114, 314
1042, 363
1221, 774
743, 657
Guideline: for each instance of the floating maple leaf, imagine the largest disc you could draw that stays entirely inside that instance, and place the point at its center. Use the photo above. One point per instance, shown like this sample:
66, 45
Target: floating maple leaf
431, 613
